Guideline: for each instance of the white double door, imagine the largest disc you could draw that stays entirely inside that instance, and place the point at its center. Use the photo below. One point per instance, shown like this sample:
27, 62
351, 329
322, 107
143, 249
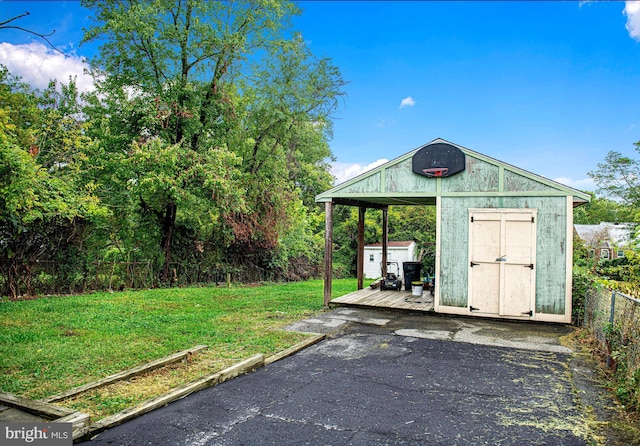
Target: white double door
502, 246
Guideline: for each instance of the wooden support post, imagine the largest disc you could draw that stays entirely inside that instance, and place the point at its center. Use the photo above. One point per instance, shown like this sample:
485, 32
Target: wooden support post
328, 251
360, 259
385, 239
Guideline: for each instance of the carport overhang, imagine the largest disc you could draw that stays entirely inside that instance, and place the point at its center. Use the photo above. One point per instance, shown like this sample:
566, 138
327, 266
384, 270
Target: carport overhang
351, 193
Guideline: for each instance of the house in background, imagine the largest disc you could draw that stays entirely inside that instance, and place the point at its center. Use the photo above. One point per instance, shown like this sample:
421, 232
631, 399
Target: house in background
606, 240
403, 251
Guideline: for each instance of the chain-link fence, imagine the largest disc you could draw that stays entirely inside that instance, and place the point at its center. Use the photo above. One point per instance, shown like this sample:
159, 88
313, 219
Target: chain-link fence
613, 318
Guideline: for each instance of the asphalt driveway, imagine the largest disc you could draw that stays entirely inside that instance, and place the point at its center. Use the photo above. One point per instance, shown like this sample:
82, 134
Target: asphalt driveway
389, 379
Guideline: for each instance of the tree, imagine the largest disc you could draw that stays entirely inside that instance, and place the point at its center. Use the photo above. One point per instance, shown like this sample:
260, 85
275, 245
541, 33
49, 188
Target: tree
10, 24
207, 109
602, 210
619, 177
42, 202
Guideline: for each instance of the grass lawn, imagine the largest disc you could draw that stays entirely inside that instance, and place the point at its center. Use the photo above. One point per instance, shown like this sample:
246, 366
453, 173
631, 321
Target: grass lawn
52, 344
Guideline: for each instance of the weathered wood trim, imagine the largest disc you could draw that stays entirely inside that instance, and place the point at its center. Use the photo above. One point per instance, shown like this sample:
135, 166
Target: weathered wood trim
568, 308
501, 178
360, 198
385, 240
555, 318
560, 189
126, 374
360, 254
328, 252
295, 348
357, 203
446, 309
245, 366
436, 296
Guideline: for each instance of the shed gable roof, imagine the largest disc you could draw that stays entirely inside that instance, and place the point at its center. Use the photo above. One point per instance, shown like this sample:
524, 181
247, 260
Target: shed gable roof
395, 183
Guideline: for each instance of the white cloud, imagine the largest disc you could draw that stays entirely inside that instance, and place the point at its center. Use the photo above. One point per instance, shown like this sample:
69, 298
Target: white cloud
37, 64
346, 171
632, 11
407, 102
585, 184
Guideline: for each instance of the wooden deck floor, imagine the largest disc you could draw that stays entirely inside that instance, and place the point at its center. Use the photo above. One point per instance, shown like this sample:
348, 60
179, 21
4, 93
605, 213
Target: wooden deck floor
369, 297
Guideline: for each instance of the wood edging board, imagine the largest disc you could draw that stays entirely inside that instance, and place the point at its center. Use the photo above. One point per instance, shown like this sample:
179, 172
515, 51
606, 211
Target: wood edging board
125, 374
242, 367
80, 423
36, 407
53, 413
295, 348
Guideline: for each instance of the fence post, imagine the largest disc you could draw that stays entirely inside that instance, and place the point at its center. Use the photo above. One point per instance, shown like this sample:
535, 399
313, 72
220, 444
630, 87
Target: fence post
228, 280
611, 318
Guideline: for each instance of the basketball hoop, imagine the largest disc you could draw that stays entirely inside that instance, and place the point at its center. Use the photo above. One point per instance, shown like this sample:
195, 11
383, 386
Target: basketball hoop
435, 171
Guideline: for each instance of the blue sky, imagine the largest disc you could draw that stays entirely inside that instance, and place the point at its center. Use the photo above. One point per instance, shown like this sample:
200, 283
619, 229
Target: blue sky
550, 87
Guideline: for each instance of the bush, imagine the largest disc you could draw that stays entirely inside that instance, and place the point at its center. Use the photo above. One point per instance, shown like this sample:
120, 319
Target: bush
583, 280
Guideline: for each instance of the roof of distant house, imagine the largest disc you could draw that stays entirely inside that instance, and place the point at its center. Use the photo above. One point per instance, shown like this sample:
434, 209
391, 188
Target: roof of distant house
618, 233
402, 244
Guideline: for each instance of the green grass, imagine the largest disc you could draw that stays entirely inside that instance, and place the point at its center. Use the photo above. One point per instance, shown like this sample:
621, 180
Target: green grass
52, 344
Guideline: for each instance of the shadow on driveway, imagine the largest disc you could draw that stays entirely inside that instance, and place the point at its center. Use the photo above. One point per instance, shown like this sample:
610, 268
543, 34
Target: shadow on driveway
393, 379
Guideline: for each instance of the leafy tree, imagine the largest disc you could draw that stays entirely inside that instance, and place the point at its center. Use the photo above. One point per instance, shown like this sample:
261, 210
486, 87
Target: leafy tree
417, 223
602, 209
211, 117
619, 177
42, 203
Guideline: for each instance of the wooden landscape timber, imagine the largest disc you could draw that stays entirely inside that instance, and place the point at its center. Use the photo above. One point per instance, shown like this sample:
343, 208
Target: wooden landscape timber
49, 412
126, 374
295, 348
243, 367
82, 426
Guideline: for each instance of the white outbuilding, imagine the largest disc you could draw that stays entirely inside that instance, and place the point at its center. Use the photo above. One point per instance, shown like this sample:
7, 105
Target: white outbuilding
402, 251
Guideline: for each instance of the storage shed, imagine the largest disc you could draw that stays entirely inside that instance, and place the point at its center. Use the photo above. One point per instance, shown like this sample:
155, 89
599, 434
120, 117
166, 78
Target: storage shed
397, 251
503, 235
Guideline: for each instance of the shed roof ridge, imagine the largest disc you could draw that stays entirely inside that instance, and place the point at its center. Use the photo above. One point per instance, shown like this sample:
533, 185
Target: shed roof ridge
552, 184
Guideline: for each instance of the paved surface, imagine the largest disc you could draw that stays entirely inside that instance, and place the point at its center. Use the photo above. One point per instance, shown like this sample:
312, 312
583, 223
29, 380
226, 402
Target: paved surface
392, 379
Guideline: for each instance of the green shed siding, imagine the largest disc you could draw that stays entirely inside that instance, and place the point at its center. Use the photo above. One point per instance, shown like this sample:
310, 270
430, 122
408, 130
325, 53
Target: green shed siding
514, 182
478, 176
400, 178
551, 248
454, 246
369, 184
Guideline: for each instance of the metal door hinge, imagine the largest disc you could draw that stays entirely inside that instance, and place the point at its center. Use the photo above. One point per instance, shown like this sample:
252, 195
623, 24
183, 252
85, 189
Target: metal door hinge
473, 308
472, 264
530, 313
530, 265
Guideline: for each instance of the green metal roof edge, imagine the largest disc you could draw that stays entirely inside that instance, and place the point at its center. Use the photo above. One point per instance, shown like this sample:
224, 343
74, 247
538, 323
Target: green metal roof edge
327, 195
